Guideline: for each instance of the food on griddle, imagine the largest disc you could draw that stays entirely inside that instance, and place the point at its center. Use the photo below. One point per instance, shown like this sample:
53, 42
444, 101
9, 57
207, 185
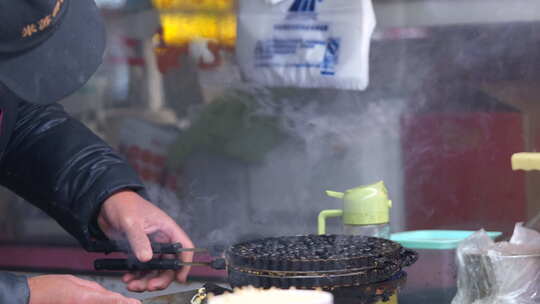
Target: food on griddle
311, 261
315, 253
250, 295
315, 247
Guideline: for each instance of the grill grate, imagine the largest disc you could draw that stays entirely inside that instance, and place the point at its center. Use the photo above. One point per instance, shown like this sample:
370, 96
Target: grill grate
313, 261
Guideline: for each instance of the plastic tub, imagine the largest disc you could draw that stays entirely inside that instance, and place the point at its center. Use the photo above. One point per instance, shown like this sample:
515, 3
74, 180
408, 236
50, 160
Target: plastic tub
436, 267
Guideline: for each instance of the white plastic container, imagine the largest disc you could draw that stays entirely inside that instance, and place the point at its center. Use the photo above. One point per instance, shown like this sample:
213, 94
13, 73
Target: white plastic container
252, 295
436, 269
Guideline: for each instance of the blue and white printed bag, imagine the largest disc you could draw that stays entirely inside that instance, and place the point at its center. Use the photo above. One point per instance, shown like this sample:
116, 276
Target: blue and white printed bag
305, 43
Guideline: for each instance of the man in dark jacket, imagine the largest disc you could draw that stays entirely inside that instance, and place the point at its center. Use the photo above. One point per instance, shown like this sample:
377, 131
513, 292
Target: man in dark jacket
48, 49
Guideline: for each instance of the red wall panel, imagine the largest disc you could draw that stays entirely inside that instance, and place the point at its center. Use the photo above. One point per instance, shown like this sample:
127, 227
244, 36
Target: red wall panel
458, 173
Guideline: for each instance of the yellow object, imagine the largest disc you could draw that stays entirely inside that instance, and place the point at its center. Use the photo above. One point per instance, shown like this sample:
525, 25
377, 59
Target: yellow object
526, 161
181, 28
185, 20
193, 4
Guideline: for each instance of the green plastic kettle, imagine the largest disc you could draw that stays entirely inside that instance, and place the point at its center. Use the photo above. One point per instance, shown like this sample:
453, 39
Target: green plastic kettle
363, 206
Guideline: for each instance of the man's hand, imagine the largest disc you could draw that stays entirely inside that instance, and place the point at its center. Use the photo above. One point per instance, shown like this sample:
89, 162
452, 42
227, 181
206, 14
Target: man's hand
67, 289
126, 215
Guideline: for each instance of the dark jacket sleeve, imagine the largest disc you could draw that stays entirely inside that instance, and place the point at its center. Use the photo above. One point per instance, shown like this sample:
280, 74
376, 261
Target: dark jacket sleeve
57, 164
13, 289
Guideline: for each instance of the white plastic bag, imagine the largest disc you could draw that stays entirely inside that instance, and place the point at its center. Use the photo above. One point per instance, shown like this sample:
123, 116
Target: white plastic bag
305, 43
474, 281
499, 273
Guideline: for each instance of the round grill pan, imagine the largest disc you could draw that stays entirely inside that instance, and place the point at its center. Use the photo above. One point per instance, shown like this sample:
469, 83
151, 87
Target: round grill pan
315, 261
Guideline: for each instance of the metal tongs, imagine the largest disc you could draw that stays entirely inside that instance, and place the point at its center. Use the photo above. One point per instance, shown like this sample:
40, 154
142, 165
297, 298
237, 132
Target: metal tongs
132, 264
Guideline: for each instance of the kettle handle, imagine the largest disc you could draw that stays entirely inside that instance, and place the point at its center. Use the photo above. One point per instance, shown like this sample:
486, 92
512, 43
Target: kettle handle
323, 215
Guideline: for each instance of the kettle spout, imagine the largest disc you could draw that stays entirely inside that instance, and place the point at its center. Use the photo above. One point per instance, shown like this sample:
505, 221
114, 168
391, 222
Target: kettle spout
335, 194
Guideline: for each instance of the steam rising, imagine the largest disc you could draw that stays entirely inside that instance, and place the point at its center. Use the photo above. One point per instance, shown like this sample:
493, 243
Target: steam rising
336, 140
332, 140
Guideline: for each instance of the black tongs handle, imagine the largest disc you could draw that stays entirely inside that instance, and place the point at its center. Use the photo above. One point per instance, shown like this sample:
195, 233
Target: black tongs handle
133, 265
155, 264
123, 246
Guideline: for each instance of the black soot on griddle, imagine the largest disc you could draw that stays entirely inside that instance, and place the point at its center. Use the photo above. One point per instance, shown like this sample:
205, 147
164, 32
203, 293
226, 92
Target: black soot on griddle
314, 247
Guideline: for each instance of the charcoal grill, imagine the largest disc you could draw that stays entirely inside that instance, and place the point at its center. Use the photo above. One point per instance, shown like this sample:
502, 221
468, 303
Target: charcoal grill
316, 261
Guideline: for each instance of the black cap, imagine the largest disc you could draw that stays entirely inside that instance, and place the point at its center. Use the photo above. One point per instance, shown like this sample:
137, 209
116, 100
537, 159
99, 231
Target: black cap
49, 48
